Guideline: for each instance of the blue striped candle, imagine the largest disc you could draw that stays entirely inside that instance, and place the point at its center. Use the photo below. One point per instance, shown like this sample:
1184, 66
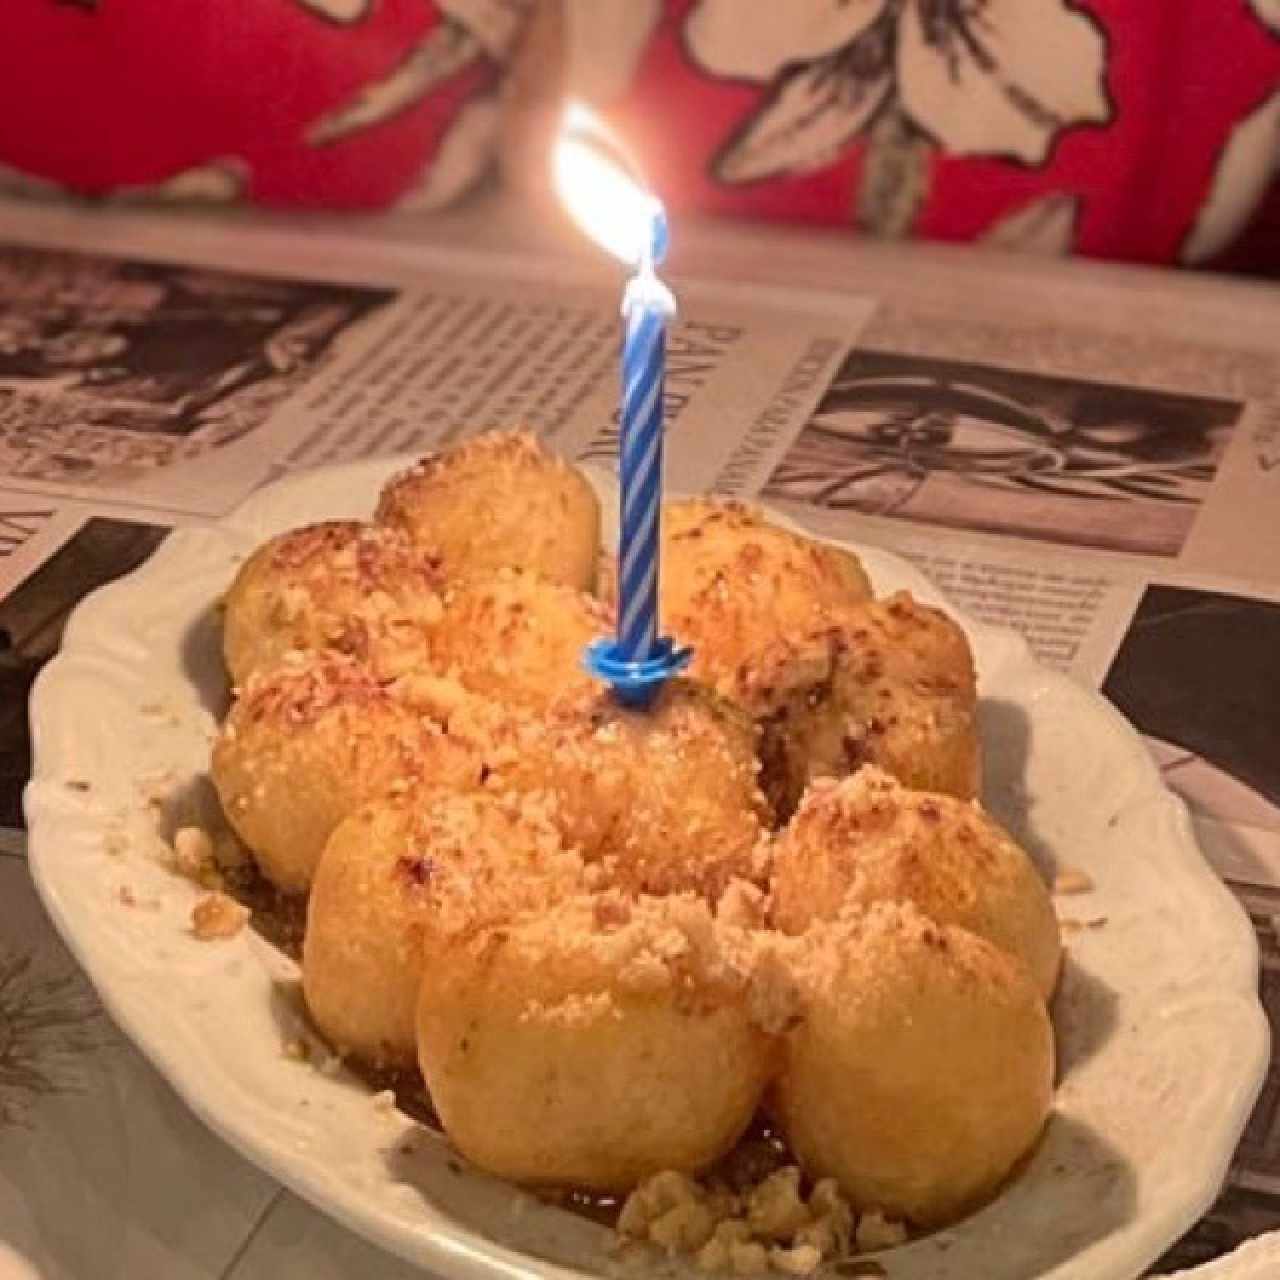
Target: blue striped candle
601, 189
646, 308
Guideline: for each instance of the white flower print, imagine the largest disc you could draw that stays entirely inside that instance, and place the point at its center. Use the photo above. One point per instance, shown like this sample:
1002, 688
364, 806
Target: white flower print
344, 12
496, 24
775, 36
17, 182
1045, 227
219, 181
1268, 12
976, 77
445, 51
1248, 163
604, 41
462, 159
1245, 169
991, 77
471, 30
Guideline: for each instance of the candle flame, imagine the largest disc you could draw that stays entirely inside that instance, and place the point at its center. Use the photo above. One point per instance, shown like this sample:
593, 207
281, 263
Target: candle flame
601, 187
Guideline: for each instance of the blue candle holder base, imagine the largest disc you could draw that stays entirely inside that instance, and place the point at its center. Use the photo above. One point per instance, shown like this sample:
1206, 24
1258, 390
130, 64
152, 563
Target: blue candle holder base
636, 683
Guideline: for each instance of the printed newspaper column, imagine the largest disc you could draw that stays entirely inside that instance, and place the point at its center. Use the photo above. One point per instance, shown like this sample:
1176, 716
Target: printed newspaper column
463, 358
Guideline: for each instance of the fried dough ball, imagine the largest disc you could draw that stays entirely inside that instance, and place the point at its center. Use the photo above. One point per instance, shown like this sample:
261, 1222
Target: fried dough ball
593, 1046
733, 584
517, 638
663, 800
499, 500
890, 682
920, 1067
308, 743
330, 586
867, 839
396, 877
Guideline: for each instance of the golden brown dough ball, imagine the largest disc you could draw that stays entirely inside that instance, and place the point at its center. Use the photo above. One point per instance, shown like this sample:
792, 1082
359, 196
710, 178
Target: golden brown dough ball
395, 877
598, 1044
334, 585
500, 500
725, 521
733, 584
307, 744
517, 638
889, 682
914, 642
867, 839
905, 674
663, 800
920, 1067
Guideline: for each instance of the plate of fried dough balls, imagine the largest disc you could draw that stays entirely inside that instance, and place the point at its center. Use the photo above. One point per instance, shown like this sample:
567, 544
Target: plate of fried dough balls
871, 948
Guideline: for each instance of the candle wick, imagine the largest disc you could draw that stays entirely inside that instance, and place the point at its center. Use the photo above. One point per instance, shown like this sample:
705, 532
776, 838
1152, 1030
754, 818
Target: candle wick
645, 292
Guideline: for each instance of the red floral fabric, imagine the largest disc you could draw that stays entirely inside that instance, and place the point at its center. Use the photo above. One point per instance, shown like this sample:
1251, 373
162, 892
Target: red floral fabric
339, 103
1147, 132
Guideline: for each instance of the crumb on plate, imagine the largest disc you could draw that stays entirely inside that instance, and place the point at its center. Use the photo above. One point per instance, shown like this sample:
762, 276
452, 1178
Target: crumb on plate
1078, 926
1072, 880
216, 915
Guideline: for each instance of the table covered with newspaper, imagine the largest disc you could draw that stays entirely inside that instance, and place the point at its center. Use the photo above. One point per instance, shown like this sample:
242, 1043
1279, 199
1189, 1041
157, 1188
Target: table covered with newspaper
1089, 455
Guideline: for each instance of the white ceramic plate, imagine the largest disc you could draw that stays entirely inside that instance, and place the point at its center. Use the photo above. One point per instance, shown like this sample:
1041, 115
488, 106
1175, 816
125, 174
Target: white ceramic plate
1162, 1040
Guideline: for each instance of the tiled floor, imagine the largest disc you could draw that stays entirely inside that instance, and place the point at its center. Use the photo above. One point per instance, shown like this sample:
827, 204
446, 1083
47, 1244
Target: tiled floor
104, 1172
295, 1241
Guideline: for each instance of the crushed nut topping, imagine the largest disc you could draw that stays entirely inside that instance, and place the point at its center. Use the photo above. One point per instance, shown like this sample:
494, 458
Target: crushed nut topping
769, 1225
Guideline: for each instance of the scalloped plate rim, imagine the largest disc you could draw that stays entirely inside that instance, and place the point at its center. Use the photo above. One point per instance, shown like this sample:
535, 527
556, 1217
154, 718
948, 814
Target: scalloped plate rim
462, 1247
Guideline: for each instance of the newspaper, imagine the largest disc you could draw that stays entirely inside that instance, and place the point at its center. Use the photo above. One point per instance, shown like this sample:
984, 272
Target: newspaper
1109, 489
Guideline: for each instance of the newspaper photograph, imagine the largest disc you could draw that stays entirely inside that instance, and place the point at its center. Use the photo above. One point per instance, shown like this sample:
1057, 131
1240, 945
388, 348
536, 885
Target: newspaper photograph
113, 369
1216, 731
970, 446
1238, 451
1116, 499
179, 388
31, 527
19, 523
